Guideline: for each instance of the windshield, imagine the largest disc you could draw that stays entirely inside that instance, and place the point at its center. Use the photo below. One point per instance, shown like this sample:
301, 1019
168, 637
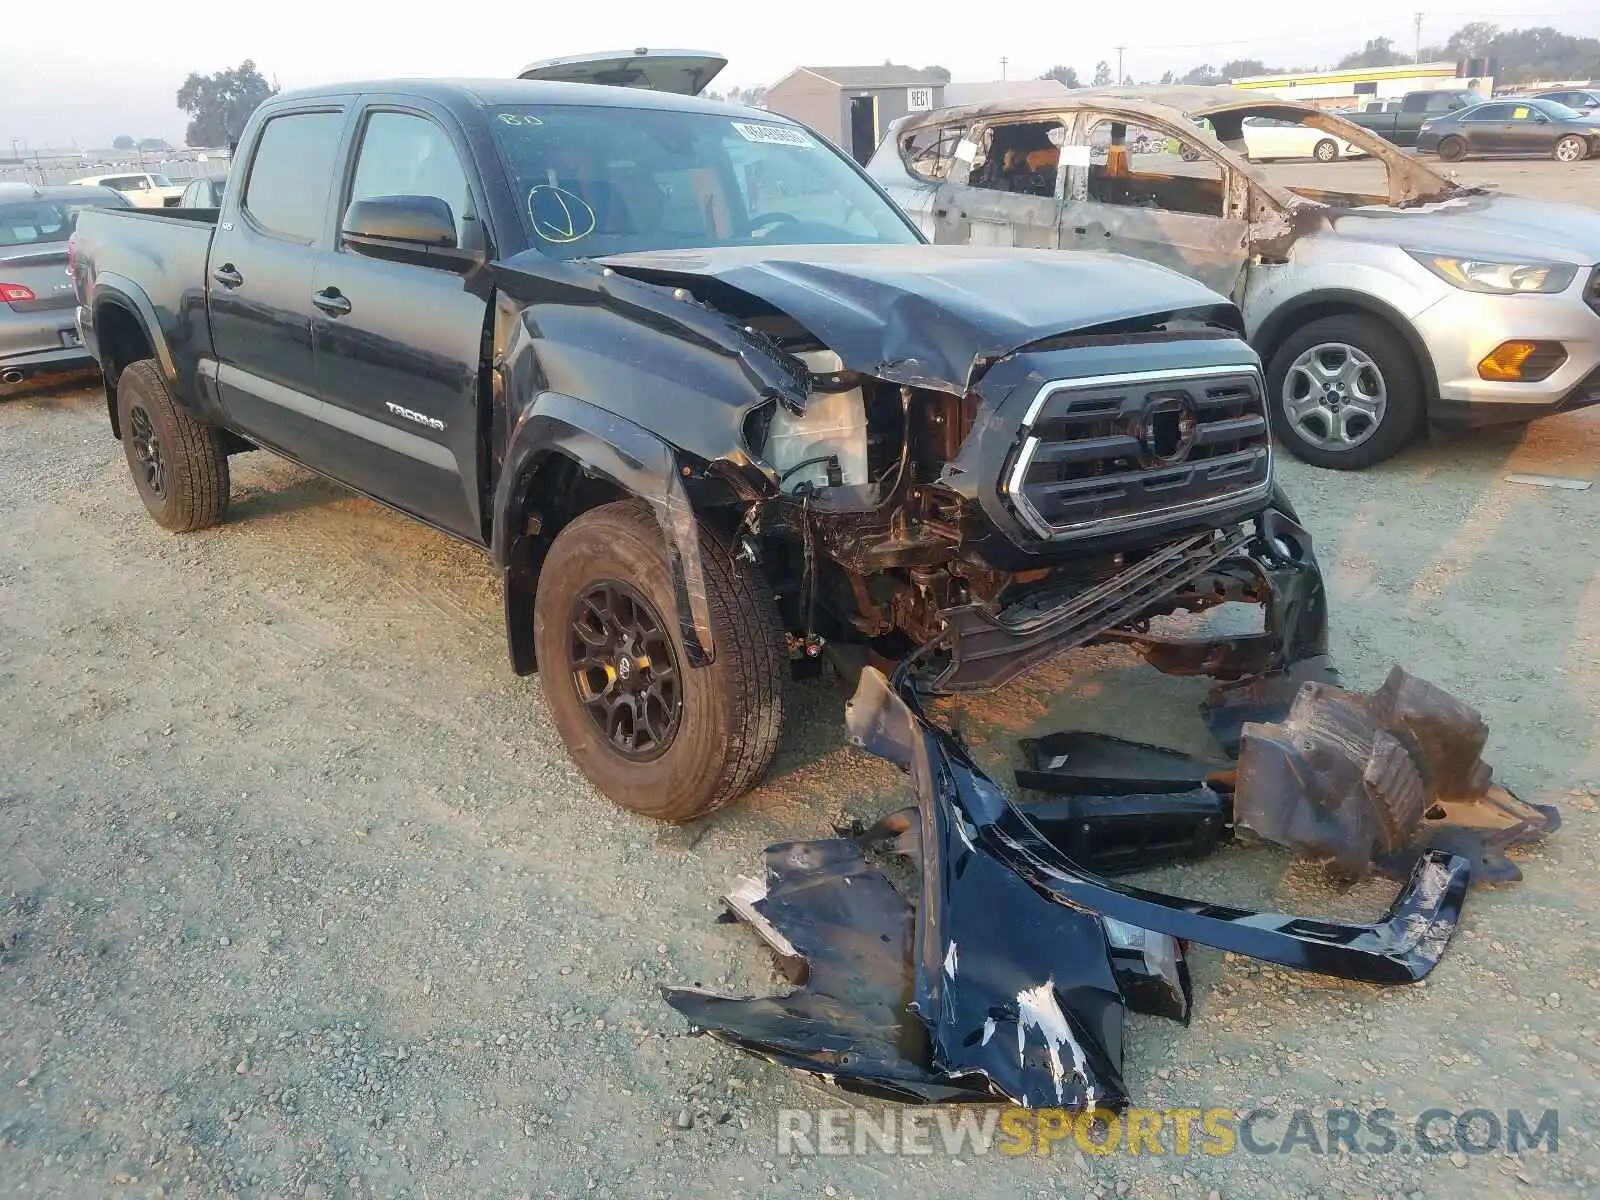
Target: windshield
32, 222
601, 180
1557, 110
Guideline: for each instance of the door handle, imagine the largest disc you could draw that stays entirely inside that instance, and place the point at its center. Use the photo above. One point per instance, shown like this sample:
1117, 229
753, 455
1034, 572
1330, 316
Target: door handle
331, 301
227, 276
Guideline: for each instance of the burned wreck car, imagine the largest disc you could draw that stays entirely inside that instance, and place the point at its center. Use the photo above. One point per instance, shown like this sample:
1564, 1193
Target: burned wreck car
705, 395
1376, 314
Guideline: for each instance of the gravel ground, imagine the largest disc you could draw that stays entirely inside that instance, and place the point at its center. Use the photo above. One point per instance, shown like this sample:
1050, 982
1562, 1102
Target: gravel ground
300, 896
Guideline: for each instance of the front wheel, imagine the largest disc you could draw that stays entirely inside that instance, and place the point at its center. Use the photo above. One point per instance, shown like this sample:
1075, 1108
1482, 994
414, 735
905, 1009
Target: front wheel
1326, 151
1571, 149
1452, 149
1345, 392
653, 733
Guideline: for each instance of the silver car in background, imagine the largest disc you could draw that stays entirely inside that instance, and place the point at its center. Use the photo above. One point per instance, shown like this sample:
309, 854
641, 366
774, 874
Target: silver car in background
38, 334
1374, 314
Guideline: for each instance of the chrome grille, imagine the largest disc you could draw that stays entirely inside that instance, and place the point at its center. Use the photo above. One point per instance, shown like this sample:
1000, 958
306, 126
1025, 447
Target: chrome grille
1133, 450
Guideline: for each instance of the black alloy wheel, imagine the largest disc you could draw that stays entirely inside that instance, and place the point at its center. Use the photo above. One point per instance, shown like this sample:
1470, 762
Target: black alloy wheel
625, 671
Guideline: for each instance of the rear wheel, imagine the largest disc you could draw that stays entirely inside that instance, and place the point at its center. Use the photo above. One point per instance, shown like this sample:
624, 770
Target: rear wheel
1571, 149
1345, 392
1326, 150
656, 735
1452, 149
178, 464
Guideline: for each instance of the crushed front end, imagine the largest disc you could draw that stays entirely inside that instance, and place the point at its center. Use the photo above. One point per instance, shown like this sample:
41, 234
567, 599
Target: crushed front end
1077, 488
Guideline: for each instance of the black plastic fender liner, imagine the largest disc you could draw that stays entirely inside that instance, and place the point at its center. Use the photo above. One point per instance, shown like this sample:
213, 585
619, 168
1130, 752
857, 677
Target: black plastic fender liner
1401, 947
633, 459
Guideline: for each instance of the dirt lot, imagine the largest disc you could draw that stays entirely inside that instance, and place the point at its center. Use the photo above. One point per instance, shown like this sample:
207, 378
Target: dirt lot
299, 895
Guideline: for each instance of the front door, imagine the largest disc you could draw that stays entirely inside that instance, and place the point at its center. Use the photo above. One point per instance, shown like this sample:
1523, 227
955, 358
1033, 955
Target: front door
259, 290
1004, 186
397, 345
1155, 194
1529, 131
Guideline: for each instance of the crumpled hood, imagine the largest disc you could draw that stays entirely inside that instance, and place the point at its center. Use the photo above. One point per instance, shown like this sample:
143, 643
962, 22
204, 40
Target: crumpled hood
1502, 227
925, 316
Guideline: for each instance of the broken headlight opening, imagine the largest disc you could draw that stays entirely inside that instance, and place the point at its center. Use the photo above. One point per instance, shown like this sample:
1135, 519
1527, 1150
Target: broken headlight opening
973, 949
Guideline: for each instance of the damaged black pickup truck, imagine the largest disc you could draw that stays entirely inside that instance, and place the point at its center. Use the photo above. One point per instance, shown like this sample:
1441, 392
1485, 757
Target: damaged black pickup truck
706, 397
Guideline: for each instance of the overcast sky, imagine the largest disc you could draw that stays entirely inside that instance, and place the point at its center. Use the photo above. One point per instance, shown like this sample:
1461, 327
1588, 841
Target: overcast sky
95, 68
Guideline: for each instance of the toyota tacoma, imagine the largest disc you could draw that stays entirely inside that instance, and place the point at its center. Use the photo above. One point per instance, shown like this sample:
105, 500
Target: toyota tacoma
706, 397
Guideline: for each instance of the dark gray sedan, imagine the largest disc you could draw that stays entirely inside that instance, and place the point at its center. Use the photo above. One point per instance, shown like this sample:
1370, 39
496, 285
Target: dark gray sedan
37, 305
1515, 128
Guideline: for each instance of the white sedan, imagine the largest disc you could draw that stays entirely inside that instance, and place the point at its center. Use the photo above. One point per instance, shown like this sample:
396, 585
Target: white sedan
1267, 138
142, 189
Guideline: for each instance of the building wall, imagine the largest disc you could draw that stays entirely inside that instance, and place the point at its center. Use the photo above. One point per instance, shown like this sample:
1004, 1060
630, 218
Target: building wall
1358, 86
811, 100
893, 103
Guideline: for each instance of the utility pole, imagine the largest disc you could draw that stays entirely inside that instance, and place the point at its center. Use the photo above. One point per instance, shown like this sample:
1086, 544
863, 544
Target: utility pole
1003, 62
1418, 55
1120, 76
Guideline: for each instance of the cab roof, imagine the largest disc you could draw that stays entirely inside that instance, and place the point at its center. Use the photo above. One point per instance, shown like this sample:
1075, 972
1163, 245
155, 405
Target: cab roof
482, 93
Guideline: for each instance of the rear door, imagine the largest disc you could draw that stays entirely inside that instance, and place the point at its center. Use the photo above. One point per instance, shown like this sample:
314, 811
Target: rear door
1172, 202
684, 72
398, 346
1488, 128
263, 256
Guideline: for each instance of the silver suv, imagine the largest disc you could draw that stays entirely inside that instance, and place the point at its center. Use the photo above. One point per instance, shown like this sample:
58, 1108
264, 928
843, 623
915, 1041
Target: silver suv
1374, 314
37, 306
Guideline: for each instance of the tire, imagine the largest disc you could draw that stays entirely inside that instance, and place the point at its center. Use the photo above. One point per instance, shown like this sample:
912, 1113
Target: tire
178, 464
1361, 388
728, 714
1452, 149
1325, 151
1570, 149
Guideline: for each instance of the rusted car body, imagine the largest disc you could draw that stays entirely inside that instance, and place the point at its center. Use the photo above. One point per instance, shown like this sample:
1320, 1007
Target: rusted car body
1375, 312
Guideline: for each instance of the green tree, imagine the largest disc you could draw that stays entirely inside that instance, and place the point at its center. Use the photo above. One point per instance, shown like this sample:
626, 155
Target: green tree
1102, 74
220, 104
1065, 76
123, 142
941, 72
1378, 52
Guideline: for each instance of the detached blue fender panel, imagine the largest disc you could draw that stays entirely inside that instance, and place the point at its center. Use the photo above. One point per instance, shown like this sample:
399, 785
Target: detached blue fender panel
629, 457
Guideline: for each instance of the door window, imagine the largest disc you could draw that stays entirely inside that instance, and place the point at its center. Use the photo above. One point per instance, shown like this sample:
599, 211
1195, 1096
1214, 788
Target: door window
286, 192
403, 154
1489, 112
128, 183
1020, 157
1136, 166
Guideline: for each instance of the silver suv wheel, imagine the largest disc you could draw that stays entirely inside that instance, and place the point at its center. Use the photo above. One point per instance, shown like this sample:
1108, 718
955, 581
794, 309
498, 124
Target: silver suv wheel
1335, 396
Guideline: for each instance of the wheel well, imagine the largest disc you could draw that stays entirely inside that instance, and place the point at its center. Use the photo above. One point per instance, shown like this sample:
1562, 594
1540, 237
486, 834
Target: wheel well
122, 341
1277, 328
557, 492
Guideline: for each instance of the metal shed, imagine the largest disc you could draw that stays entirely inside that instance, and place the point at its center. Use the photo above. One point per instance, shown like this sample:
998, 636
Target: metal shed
854, 105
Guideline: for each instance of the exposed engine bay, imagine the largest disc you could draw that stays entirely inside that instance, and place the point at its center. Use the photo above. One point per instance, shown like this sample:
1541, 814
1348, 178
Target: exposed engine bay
985, 502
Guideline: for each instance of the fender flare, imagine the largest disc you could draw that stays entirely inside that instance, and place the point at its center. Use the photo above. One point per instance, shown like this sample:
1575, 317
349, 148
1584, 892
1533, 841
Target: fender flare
118, 291
1271, 332
629, 457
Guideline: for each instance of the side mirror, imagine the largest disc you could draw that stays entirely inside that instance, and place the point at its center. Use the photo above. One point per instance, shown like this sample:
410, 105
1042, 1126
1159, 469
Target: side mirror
416, 229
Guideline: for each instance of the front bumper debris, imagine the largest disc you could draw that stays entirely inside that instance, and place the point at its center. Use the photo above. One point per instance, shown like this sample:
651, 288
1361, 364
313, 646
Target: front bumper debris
1009, 975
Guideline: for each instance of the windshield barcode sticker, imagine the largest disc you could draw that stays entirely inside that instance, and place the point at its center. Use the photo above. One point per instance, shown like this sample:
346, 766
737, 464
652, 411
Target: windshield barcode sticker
776, 135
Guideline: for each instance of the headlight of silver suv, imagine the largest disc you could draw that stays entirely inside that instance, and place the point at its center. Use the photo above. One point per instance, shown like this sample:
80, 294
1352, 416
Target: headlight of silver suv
1498, 278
